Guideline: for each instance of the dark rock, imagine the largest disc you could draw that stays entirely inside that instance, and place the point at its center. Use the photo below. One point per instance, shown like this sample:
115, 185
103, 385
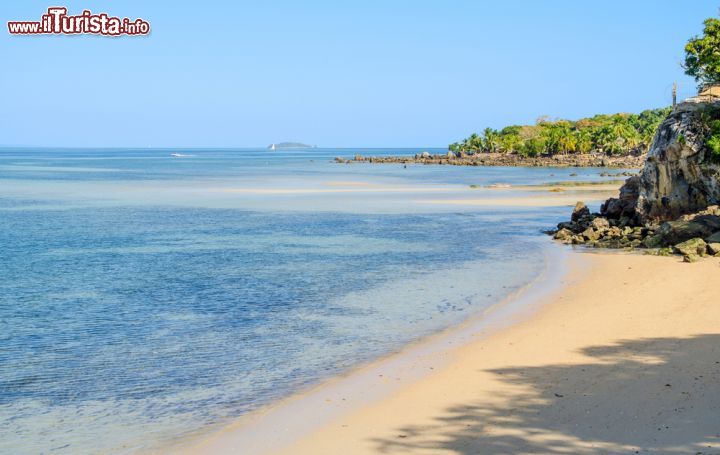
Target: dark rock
579, 211
625, 204
674, 232
714, 238
713, 248
569, 225
653, 241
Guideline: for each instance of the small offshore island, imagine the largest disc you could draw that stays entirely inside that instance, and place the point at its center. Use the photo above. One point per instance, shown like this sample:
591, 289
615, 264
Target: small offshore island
289, 145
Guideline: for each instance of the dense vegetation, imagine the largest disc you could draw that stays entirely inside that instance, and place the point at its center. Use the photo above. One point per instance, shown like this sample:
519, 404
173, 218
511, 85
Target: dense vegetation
702, 61
616, 134
709, 123
702, 54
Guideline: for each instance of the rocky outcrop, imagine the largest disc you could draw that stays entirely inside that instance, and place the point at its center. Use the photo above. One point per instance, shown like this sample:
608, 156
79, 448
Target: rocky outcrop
671, 207
623, 206
506, 159
679, 176
692, 235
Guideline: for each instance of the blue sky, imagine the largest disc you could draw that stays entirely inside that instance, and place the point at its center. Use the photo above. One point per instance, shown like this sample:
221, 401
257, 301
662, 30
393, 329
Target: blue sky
362, 73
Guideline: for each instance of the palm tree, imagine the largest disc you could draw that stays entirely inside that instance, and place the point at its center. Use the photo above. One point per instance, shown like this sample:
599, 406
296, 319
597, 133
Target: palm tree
583, 140
474, 142
491, 140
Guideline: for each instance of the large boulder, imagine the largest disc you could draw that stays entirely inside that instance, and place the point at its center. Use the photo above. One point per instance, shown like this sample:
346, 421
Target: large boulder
714, 238
579, 211
624, 206
679, 175
674, 232
691, 247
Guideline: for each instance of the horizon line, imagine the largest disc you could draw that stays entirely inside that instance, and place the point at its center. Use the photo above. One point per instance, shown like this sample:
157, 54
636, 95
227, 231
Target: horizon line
85, 147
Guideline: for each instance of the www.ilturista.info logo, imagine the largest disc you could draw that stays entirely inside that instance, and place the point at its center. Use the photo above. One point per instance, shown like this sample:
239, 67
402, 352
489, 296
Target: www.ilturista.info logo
57, 22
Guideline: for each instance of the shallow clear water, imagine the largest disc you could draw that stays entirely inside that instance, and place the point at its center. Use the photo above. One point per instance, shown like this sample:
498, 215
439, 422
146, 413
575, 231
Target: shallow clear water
143, 297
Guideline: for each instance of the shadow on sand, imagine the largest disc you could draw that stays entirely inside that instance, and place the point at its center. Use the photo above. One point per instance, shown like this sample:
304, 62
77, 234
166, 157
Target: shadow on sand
658, 395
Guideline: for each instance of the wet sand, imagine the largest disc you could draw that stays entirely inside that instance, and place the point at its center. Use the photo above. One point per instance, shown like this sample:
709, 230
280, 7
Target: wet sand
624, 357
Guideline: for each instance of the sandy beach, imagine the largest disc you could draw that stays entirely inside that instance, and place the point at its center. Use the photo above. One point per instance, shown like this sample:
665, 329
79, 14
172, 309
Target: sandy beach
623, 358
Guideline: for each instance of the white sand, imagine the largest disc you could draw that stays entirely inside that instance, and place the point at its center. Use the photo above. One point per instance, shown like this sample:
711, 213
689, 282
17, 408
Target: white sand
625, 358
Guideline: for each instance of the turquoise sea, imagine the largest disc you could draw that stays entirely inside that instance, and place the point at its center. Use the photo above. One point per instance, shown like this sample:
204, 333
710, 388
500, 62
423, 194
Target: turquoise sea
145, 296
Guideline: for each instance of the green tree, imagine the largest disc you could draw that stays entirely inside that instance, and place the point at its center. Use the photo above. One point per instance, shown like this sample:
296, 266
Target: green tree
583, 141
510, 142
614, 134
491, 140
533, 146
559, 138
702, 54
474, 143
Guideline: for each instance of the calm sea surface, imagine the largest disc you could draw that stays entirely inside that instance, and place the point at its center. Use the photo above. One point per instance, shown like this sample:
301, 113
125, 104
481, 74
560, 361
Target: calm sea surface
144, 296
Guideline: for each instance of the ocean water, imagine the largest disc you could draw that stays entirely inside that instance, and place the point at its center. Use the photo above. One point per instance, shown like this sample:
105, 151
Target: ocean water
144, 297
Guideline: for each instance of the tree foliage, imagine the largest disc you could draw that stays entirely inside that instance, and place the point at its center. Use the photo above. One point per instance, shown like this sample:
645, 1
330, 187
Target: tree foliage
702, 54
615, 134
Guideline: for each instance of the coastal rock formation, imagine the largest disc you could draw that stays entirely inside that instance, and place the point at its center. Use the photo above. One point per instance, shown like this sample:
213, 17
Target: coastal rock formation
623, 206
667, 207
692, 235
680, 174
506, 159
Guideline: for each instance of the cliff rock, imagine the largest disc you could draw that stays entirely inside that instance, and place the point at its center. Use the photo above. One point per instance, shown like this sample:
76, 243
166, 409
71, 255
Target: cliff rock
680, 174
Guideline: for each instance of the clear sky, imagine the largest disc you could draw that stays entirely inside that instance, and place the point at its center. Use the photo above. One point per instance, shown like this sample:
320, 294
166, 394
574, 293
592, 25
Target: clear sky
375, 73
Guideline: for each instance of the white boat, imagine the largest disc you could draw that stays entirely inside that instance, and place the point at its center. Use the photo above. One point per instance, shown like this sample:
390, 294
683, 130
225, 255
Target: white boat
178, 155
272, 147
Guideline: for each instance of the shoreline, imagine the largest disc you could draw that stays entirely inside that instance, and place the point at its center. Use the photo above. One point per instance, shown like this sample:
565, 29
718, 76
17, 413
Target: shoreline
623, 363
275, 425
505, 159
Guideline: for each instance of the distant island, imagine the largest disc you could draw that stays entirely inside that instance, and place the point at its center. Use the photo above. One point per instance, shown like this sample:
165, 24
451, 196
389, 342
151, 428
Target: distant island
290, 145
